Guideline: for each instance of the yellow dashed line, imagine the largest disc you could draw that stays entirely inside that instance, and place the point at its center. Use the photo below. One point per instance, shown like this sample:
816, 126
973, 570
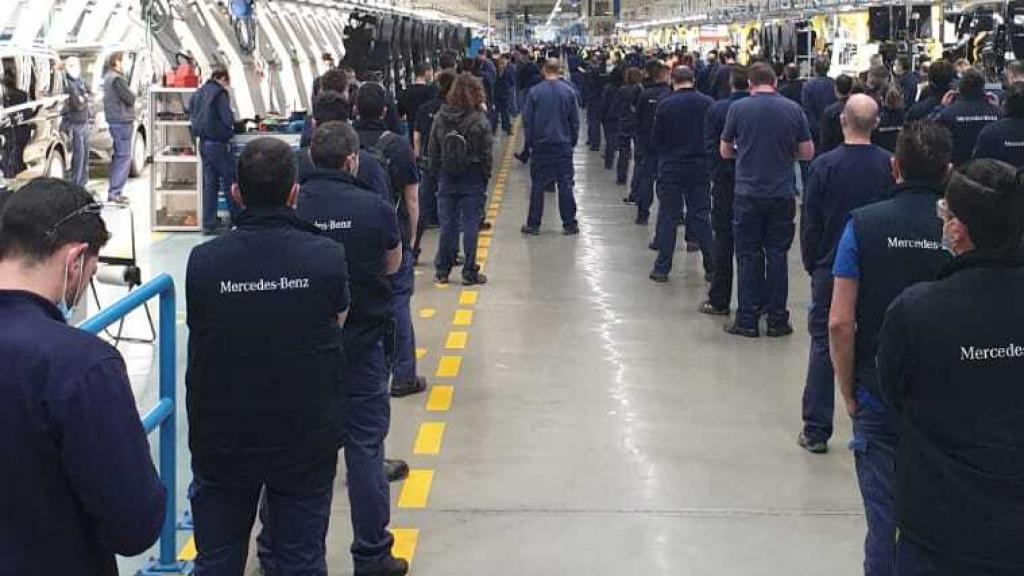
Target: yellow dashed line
428, 441
405, 543
420, 353
481, 253
486, 233
492, 214
457, 340
463, 318
440, 399
440, 286
416, 489
449, 366
427, 313
468, 297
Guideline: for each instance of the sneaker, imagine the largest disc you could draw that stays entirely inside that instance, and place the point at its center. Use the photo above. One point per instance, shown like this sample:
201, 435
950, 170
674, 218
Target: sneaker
737, 330
571, 230
390, 567
524, 158
652, 246
530, 231
628, 200
659, 277
779, 330
814, 447
710, 309
440, 278
474, 279
415, 387
485, 225
395, 470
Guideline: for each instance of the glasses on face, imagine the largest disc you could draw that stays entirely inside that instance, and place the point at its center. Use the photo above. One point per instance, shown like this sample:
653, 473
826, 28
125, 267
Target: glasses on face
91, 208
942, 210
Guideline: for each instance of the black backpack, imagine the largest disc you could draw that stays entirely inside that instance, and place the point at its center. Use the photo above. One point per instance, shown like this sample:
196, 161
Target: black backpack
455, 154
377, 152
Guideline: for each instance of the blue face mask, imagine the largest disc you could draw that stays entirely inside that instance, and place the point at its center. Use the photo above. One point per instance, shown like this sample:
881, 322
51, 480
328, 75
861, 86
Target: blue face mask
64, 310
62, 303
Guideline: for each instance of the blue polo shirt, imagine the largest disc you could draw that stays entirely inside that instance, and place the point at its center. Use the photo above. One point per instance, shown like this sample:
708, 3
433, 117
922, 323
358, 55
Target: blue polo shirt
78, 483
678, 136
766, 129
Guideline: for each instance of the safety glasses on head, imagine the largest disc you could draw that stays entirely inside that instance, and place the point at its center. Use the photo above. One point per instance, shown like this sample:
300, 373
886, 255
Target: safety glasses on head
96, 208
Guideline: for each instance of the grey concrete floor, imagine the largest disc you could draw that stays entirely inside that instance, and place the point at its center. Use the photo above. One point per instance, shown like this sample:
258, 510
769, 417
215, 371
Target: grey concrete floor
599, 425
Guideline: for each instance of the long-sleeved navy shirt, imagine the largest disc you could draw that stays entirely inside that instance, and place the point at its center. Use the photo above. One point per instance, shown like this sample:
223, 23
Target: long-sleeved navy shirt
838, 182
78, 483
551, 118
965, 119
713, 127
1002, 140
818, 94
678, 135
646, 104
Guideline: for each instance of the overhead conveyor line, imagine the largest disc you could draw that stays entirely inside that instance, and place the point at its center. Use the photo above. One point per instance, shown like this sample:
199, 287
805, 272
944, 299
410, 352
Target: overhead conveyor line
163, 415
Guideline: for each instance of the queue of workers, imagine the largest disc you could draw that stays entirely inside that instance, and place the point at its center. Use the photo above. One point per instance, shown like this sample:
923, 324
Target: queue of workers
917, 295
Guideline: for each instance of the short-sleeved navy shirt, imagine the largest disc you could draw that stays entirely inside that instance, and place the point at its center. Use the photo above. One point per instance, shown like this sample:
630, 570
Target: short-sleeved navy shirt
347, 212
402, 168
767, 130
424, 121
1002, 140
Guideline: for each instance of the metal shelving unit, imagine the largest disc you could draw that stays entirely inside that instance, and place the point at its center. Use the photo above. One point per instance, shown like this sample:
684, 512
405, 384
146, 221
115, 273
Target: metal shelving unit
176, 177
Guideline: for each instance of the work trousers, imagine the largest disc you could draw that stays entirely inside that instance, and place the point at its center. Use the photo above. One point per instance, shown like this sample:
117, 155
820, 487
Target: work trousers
121, 159
79, 153
218, 175
676, 189
722, 200
819, 389
462, 204
403, 369
503, 114
648, 174
874, 444
764, 230
594, 126
295, 510
625, 152
546, 172
611, 142
428, 206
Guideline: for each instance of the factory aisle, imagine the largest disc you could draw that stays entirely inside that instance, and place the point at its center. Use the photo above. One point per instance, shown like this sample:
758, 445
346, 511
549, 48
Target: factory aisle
599, 425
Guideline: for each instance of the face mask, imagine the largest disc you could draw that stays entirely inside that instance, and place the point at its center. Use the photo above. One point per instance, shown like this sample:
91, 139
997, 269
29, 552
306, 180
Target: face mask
63, 305
947, 242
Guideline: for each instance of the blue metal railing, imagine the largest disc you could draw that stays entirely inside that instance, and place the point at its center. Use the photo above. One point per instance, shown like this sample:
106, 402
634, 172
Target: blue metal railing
162, 416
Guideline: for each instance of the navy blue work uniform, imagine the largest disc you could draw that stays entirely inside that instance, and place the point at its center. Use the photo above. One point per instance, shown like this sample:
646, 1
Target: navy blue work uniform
1002, 140
909, 86
646, 171
504, 86
766, 130
927, 105
371, 174
596, 79
966, 118
818, 94
428, 181
402, 172
624, 104
830, 131
365, 224
886, 247
842, 180
890, 124
213, 124
950, 366
551, 124
78, 484
683, 174
723, 188
265, 389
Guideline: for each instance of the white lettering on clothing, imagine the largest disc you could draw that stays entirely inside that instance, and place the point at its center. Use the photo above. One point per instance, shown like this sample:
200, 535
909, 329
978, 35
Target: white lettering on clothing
920, 244
1010, 144
975, 354
334, 225
978, 118
262, 285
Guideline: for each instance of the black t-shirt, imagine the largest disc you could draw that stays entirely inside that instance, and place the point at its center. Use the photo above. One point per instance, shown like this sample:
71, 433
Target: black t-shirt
414, 97
425, 121
1002, 140
364, 223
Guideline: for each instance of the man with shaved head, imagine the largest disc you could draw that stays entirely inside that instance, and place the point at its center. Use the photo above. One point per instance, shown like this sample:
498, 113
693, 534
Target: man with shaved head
852, 175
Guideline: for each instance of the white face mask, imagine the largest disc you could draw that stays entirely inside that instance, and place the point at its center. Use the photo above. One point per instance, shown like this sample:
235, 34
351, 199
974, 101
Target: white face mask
73, 70
63, 304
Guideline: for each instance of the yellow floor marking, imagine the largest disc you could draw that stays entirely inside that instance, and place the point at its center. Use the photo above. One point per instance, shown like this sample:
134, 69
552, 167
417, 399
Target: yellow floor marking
463, 318
155, 237
448, 366
419, 273
440, 399
440, 286
492, 214
484, 242
457, 340
416, 489
188, 551
420, 353
481, 253
405, 543
427, 313
486, 233
468, 297
428, 441
495, 205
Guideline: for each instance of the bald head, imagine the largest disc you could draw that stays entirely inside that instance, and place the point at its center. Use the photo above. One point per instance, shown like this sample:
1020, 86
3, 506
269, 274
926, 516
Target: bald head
860, 116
